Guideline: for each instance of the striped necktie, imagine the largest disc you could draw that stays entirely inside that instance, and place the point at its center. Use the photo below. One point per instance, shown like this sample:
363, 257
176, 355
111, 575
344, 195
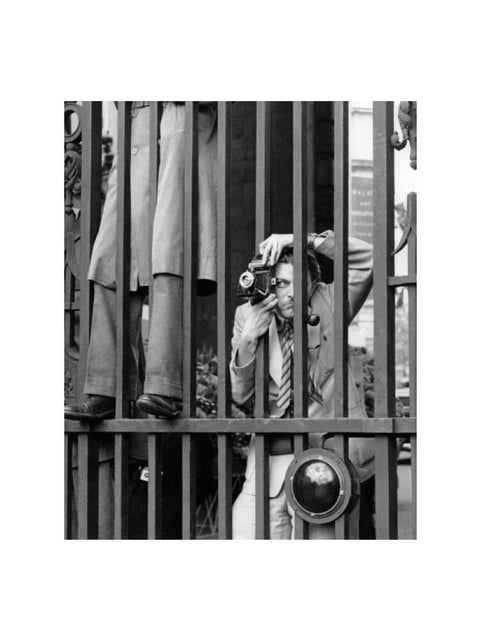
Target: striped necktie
285, 391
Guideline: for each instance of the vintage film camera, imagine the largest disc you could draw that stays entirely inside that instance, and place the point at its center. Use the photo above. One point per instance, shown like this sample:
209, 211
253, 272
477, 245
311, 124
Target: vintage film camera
256, 283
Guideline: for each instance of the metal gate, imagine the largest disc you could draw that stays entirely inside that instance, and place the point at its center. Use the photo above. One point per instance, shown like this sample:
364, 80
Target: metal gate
384, 427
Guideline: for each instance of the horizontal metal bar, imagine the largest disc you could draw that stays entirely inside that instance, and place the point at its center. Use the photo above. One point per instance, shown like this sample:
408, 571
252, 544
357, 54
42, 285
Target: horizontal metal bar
402, 281
72, 306
362, 426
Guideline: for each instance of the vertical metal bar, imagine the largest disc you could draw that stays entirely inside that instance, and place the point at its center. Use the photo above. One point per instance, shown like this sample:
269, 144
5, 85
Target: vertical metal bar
262, 230
87, 487
300, 527
311, 165
156, 111
154, 160
224, 287
224, 487
386, 517
341, 163
383, 203
224, 316
345, 528
155, 464
91, 202
190, 234
303, 190
341, 308
300, 284
262, 481
123, 259
413, 463
188, 487
412, 302
412, 345
384, 318
121, 487
68, 487
354, 522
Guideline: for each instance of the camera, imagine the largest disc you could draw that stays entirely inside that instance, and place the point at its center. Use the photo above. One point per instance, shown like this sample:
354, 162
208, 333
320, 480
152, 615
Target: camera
256, 282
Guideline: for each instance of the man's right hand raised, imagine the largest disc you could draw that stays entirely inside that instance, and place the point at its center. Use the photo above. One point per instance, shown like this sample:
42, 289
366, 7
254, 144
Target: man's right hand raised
256, 325
258, 321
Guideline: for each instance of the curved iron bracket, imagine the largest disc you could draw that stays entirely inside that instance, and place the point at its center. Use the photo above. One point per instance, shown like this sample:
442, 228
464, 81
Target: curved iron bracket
407, 230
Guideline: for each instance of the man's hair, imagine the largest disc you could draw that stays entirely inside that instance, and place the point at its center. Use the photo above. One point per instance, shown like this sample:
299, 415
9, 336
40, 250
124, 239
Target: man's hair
312, 264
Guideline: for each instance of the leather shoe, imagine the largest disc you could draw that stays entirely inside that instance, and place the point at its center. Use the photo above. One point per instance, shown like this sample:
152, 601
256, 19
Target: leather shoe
94, 408
159, 406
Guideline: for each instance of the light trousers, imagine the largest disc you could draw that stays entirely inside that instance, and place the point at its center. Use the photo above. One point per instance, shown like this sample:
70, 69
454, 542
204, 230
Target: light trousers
165, 343
281, 520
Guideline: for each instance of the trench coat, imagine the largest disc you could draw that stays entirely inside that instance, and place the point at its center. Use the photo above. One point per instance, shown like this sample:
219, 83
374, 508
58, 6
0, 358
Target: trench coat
320, 365
167, 239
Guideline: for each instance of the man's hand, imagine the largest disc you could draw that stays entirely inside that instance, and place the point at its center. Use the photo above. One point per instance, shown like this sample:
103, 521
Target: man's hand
272, 247
256, 325
258, 321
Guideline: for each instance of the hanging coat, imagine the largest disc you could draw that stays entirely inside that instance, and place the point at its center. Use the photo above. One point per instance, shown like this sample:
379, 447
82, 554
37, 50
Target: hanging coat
167, 241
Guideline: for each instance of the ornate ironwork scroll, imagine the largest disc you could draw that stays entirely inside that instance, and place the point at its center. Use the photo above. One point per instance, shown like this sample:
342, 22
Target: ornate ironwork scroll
407, 117
72, 156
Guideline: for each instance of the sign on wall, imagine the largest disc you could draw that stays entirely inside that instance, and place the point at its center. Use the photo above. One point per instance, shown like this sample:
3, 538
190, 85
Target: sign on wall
361, 222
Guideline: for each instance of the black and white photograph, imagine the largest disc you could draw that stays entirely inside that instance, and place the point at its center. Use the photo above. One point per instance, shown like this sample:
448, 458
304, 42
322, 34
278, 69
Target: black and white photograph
240, 320
261, 300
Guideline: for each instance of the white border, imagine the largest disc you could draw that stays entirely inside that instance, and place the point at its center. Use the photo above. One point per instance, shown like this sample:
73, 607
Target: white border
249, 50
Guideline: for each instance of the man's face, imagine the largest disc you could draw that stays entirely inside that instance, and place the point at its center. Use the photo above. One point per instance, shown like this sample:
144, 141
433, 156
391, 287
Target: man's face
284, 289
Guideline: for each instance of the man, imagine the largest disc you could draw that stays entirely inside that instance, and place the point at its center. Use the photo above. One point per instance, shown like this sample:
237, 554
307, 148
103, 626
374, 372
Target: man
275, 315
163, 381
163, 387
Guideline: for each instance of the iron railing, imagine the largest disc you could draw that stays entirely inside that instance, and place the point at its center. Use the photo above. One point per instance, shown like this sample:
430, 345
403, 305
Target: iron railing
384, 427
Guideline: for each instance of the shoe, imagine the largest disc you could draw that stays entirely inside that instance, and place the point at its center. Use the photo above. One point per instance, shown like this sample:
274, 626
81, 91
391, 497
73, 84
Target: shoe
94, 408
159, 406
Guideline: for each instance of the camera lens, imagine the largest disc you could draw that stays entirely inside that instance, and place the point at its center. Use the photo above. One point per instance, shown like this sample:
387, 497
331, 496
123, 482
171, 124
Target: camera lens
246, 279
